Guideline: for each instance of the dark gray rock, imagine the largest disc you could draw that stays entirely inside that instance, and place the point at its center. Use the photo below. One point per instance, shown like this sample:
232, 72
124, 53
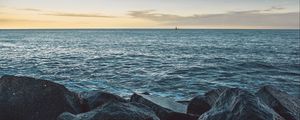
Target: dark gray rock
67, 116
237, 104
284, 104
97, 98
213, 95
25, 98
200, 104
165, 109
184, 102
114, 111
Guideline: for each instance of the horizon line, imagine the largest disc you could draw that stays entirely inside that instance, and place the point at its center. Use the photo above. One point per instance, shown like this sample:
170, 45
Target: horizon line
163, 28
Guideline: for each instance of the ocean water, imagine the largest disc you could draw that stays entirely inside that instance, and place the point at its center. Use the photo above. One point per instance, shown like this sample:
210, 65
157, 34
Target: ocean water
172, 63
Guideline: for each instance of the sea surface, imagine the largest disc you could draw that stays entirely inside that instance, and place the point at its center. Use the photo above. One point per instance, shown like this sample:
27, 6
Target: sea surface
173, 63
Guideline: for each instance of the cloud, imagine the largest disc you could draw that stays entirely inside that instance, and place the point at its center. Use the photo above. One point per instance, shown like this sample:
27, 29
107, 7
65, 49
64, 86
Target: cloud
76, 15
31, 9
149, 14
251, 18
64, 14
13, 20
5, 20
2, 20
274, 8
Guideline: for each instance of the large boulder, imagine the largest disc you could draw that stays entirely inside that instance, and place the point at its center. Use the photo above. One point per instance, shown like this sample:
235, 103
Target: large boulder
97, 98
25, 98
200, 104
114, 111
284, 104
237, 104
165, 109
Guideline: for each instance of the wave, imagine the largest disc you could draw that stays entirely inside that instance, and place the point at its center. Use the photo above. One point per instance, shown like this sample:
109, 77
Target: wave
257, 65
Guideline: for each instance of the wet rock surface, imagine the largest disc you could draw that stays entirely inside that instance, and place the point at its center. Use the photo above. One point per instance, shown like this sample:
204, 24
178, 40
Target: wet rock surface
166, 109
238, 104
25, 98
97, 98
114, 111
284, 104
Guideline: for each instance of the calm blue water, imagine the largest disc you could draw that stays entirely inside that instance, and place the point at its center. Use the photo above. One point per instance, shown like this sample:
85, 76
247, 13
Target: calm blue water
171, 63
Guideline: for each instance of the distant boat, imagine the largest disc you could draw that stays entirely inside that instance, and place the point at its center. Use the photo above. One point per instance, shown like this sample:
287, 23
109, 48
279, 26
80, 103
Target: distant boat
176, 28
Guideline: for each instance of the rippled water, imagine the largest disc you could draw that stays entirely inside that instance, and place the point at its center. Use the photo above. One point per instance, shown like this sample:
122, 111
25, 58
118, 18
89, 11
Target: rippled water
172, 63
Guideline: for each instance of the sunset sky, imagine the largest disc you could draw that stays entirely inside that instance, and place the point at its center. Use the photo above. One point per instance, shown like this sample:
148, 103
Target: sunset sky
248, 14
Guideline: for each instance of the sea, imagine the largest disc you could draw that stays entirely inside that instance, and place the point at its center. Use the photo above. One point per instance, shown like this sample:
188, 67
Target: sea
179, 64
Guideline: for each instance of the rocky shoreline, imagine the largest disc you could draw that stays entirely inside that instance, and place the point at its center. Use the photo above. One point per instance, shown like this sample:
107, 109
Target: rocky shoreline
25, 98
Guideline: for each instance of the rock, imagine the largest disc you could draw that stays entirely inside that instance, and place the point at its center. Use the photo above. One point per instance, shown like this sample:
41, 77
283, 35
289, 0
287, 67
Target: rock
66, 116
25, 98
184, 102
165, 109
200, 104
284, 104
97, 98
213, 95
237, 104
114, 111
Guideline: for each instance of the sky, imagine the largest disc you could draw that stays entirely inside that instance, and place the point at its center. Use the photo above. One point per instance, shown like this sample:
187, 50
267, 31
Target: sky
223, 14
